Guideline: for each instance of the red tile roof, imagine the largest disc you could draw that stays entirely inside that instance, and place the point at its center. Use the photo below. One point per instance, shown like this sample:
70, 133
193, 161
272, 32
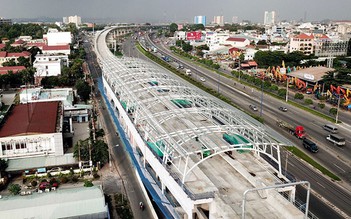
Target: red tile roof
252, 63
18, 54
2, 45
18, 42
14, 69
42, 119
304, 36
3, 54
236, 39
61, 47
39, 45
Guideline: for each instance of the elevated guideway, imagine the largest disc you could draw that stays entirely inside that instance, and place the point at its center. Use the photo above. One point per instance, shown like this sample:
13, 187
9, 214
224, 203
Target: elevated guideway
199, 153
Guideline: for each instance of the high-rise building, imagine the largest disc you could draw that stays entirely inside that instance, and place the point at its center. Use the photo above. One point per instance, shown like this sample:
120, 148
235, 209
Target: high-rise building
200, 20
73, 19
269, 18
219, 20
235, 19
5, 21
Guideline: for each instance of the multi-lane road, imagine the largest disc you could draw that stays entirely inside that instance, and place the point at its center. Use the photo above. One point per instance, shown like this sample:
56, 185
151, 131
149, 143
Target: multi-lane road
118, 154
334, 158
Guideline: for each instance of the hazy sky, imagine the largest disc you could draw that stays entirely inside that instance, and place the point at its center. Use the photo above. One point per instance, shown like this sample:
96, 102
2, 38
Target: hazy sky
177, 10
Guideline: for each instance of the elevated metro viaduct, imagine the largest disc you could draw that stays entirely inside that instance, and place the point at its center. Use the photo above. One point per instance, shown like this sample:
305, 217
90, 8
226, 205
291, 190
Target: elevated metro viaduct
182, 140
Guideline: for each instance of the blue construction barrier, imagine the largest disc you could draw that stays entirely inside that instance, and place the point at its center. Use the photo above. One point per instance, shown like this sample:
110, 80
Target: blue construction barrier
129, 149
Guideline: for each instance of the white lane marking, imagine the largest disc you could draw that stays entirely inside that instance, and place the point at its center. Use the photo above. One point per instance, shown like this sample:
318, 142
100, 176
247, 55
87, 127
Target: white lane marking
339, 167
320, 184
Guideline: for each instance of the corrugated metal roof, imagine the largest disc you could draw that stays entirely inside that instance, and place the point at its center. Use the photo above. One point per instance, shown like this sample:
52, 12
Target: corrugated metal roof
62, 203
31, 118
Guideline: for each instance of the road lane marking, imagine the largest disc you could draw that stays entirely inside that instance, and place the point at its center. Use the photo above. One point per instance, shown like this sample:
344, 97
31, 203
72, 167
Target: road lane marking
320, 184
339, 168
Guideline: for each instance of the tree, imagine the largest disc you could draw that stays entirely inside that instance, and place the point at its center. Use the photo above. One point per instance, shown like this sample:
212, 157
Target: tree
83, 90
187, 47
99, 151
333, 111
3, 165
173, 27
15, 189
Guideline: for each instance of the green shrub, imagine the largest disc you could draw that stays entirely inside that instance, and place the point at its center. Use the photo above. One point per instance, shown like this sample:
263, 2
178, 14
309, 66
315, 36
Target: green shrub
274, 87
88, 183
48, 175
96, 176
299, 96
282, 92
308, 101
321, 105
14, 189
43, 180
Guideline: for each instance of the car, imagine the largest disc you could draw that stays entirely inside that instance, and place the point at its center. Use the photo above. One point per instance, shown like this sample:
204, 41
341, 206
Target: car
283, 108
202, 79
253, 107
55, 169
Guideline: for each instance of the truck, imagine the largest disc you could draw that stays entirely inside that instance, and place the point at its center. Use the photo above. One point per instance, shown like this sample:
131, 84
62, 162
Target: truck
298, 131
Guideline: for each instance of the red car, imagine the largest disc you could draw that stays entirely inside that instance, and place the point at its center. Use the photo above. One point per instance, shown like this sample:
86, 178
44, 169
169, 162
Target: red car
46, 185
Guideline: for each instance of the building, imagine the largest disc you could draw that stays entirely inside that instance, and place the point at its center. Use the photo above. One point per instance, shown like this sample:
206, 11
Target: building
235, 19
269, 18
237, 42
7, 56
83, 202
48, 65
27, 133
58, 38
200, 20
215, 39
13, 69
302, 42
73, 19
62, 49
5, 21
180, 35
218, 20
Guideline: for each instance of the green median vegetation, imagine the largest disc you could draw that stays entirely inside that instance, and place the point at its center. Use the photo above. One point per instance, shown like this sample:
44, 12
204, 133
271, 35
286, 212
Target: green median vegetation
315, 164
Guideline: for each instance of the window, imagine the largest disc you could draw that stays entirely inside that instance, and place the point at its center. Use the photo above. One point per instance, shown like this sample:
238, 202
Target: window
9, 147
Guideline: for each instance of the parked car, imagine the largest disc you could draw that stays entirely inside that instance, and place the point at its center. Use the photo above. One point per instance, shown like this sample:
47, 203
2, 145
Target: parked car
55, 169
202, 79
283, 108
253, 107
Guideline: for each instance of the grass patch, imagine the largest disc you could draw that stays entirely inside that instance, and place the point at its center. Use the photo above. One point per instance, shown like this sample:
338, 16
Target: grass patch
315, 164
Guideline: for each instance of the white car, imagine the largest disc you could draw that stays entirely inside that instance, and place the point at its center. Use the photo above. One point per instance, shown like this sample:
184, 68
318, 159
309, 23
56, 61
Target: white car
202, 79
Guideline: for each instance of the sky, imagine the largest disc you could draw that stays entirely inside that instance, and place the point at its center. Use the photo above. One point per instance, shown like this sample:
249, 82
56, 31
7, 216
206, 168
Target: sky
158, 11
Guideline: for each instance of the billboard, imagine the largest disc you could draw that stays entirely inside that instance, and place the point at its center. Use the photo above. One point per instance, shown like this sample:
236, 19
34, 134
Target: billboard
194, 35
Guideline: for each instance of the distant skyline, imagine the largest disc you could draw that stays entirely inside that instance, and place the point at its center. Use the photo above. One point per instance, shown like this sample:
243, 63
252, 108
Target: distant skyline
157, 11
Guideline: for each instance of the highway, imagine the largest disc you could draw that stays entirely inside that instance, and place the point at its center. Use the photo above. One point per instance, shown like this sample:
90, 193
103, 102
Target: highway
120, 157
339, 164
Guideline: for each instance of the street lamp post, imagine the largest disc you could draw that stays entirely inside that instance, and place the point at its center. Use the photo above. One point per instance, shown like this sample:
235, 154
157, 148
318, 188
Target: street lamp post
287, 89
261, 98
337, 110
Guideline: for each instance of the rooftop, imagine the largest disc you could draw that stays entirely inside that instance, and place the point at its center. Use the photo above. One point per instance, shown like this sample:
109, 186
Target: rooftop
62, 203
14, 69
31, 119
313, 74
